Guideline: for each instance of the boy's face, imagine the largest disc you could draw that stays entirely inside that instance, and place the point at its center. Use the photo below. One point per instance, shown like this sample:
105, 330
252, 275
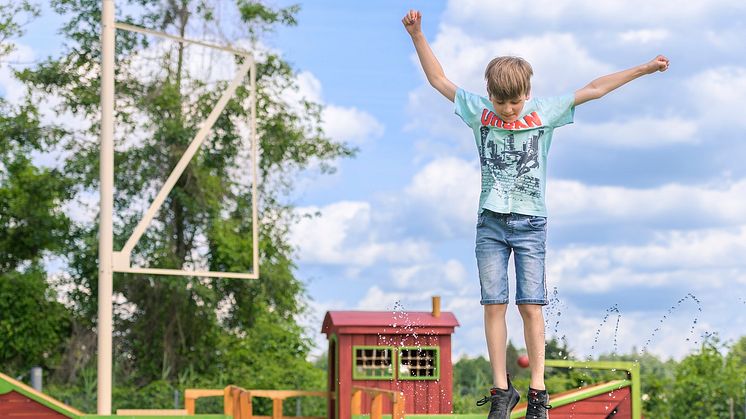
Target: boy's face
509, 109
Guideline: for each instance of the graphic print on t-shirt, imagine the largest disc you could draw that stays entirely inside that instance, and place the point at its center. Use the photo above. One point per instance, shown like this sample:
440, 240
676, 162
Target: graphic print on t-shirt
508, 163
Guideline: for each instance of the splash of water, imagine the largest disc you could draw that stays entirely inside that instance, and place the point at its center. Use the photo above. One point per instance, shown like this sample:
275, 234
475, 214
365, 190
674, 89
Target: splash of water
607, 314
689, 296
553, 312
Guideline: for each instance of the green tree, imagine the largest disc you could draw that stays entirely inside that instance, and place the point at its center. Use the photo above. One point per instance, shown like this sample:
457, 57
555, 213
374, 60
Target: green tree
472, 378
706, 383
32, 323
736, 360
737, 352
176, 329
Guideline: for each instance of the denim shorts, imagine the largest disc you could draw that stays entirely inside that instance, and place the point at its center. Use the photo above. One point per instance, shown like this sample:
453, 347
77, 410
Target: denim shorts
497, 236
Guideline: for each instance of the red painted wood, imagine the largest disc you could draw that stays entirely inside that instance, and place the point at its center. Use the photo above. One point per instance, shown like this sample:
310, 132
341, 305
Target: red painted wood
388, 319
14, 404
446, 375
364, 330
395, 330
624, 409
433, 387
345, 375
599, 406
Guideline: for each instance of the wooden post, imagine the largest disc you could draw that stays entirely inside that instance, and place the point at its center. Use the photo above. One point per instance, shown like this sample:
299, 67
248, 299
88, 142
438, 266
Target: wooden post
246, 408
276, 408
397, 410
376, 406
227, 401
189, 404
357, 400
236, 396
436, 306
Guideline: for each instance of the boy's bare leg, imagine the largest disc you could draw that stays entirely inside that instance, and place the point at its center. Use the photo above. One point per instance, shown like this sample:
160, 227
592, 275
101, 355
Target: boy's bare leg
496, 332
533, 332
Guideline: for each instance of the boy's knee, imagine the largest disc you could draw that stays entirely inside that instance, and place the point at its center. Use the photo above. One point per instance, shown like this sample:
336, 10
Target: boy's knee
530, 311
495, 309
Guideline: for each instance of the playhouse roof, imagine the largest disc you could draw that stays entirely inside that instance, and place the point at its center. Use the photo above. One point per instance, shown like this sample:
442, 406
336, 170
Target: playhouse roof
387, 319
20, 391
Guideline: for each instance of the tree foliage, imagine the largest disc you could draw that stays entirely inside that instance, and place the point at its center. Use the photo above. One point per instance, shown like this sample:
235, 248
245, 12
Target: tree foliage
33, 325
707, 383
181, 329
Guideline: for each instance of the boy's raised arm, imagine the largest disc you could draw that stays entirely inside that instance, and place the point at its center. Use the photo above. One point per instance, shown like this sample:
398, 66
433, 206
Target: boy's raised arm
603, 85
434, 72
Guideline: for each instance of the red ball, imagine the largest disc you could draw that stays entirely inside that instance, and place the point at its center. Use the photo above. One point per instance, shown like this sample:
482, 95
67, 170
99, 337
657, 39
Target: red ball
523, 361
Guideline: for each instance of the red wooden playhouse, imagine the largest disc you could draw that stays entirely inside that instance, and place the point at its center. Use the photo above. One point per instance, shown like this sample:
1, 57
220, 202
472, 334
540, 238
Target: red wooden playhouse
409, 352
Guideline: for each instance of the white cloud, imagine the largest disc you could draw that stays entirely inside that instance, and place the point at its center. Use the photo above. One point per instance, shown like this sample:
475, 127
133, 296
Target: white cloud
309, 88
446, 192
575, 202
350, 124
718, 95
640, 133
436, 274
644, 36
695, 260
344, 234
610, 12
377, 299
675, 336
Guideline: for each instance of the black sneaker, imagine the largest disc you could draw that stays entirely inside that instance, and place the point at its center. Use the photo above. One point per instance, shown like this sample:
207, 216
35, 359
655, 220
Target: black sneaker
502, 401
538, 404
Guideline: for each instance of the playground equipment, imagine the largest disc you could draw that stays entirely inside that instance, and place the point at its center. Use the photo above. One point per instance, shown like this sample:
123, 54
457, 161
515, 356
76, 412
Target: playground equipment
354, 398
402, 356
111, 261
619, 399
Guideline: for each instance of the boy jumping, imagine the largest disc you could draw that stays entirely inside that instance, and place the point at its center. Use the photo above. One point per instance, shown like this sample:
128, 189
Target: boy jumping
513, 134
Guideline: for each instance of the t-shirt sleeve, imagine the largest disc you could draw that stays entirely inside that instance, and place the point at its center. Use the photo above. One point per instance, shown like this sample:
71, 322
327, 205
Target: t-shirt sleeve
558, 111
468, 106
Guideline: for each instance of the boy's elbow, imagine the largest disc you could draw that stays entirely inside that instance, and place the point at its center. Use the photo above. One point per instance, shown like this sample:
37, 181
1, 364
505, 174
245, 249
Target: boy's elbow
436, 81
595, 93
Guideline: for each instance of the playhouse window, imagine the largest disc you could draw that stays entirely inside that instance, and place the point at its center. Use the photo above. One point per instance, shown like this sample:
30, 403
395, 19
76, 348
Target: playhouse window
419, 363
373, 363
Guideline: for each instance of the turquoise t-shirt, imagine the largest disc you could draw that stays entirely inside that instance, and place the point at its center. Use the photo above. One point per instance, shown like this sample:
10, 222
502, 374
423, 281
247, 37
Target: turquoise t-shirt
513, 155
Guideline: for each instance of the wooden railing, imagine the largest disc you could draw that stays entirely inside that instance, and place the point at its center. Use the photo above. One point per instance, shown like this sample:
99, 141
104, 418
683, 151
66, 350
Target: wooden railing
237, 402
376, 401
192, 394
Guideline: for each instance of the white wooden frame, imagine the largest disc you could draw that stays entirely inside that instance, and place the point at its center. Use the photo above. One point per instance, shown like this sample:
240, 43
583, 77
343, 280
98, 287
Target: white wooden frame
121, 259
111, 261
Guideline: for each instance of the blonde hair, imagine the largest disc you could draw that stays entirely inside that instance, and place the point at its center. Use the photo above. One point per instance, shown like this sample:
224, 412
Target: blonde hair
508, 78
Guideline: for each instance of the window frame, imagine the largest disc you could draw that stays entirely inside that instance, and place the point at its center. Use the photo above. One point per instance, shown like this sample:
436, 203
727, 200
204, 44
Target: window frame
361, 376
436, 375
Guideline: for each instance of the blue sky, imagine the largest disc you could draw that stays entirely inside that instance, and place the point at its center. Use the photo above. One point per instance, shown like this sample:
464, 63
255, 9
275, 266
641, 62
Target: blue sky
646, 190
